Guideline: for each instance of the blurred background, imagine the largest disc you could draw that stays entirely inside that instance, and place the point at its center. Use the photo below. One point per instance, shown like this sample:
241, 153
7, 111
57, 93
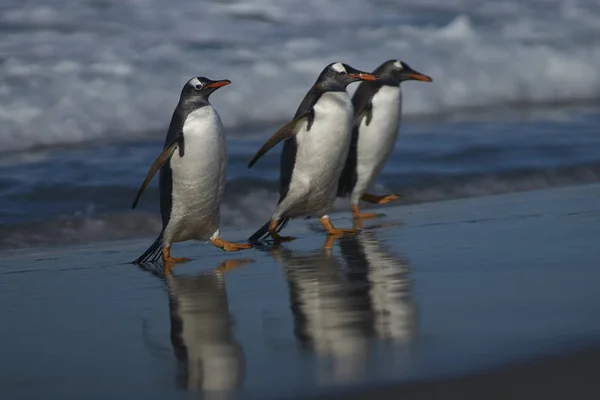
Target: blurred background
87, 89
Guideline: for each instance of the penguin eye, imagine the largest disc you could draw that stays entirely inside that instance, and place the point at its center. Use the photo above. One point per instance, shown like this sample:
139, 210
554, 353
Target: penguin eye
198, 86
343, 72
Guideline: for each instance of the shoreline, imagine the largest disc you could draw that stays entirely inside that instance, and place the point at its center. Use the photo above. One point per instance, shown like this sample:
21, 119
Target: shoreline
342, 217
464, 296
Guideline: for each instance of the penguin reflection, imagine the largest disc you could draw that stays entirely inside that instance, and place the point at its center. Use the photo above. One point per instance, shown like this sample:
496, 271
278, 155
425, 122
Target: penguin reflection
387, 277
339, 304
209, 358
330, 317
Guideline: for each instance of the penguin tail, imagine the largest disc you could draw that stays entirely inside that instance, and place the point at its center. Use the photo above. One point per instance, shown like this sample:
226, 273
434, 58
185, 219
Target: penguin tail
343, 191
346, 182
263, 231
153, 253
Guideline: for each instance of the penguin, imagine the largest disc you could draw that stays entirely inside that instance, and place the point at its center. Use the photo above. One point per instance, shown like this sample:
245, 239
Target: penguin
377, 113
316, 144
192, 174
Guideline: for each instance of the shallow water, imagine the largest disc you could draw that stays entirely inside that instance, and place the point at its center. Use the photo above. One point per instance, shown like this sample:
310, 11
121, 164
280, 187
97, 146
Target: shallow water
432, 290
84, 194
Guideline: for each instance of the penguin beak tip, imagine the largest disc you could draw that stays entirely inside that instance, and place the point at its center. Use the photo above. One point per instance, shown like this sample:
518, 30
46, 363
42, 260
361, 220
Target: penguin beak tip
420, 77
365, 77
219, 84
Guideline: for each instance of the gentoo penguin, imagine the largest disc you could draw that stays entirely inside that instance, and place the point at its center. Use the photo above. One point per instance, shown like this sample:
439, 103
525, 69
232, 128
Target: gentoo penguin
377, 113
192, 174
315, 149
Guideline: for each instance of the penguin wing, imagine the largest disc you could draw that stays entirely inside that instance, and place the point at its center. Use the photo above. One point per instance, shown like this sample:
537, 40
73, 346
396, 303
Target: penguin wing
286, 132
363, 100
364, 112
159, 162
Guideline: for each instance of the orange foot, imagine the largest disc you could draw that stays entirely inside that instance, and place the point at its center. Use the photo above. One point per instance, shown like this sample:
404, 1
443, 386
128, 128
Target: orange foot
275, 235
167, 259
230, 246
361, 215
332, 230
371, 198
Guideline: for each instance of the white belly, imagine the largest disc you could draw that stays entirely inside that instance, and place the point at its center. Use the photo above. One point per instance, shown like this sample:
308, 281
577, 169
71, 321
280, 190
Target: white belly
320, 158
198, 178
376, 141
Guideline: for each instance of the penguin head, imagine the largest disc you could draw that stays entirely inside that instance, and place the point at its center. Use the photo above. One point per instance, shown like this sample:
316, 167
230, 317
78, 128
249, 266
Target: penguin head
340, 74
200, 88
394, 72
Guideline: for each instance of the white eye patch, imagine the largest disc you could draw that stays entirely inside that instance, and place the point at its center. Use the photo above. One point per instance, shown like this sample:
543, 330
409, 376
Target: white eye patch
195, 82
398, 65
338, 67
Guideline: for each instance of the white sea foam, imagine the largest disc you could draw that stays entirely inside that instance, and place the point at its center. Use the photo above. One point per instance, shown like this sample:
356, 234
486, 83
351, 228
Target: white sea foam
80, 71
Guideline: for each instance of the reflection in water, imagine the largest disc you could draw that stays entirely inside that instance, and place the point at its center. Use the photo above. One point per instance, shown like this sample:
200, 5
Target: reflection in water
209, 358
329, 316
340, 303
387, 277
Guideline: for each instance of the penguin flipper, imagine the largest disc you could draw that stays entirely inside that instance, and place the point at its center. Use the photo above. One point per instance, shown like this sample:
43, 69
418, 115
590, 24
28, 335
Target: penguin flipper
363, 112
159, 162
288, 131
348, 176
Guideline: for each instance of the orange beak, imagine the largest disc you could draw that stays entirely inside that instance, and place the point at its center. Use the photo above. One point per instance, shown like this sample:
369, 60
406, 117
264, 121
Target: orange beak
364, 76
418, 77
218, 84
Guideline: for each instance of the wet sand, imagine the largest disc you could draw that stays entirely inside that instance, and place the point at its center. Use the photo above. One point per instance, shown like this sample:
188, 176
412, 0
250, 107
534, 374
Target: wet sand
562, 376
451, 296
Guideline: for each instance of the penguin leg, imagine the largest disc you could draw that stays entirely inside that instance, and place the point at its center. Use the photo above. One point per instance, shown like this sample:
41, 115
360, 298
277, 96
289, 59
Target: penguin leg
275, 235
360, 215
229, 246
166, 256
371, 198
332, 230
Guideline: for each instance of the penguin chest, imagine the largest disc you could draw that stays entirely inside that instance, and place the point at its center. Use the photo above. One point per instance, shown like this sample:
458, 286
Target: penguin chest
322, 149
198, 177
376, 140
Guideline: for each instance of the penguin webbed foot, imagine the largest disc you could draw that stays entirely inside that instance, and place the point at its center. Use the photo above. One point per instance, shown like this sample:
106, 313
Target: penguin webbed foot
357, 214
277, 238
384, 199
230, 246
332, 230
168, 259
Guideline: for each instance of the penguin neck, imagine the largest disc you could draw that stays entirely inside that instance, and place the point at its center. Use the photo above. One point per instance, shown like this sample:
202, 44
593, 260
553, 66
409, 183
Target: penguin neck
195, 103
329, 85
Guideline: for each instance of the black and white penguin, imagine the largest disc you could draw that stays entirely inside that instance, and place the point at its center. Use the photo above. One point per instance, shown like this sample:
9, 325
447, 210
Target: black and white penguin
377, 113
192, 174
316, 146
